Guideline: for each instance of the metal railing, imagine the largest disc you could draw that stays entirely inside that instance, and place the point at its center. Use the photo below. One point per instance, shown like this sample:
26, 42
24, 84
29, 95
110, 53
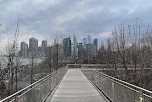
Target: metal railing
85, 65
73, 65
117, 90
38, 91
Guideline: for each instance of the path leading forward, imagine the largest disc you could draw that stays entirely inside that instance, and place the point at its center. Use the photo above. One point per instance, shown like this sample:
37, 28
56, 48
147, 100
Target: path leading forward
76, 88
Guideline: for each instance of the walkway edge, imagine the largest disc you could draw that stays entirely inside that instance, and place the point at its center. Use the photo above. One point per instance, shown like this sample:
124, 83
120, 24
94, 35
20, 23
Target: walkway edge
48, 98
100, 92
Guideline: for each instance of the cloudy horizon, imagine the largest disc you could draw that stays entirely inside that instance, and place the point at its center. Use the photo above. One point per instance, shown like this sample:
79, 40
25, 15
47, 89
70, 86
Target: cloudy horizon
44, 18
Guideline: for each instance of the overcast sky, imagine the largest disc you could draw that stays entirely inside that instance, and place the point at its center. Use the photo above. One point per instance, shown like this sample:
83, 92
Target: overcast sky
43, 18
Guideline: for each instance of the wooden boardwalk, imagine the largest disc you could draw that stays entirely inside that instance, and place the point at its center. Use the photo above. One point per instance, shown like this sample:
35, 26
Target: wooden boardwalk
75, 87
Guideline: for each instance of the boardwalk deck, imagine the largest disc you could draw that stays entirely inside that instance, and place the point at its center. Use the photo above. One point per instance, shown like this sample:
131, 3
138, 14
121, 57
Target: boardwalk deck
76, 88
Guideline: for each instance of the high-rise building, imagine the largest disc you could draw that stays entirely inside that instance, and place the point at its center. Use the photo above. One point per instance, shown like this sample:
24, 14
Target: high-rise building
89, 51
39, 49
33, 47
75, 47
24, 49
84, 42
88, 39
67, 46
95, 44
80, 50
44, 48
102, 47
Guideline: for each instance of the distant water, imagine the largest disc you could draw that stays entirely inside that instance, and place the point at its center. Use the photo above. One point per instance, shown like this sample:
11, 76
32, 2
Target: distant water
24, 61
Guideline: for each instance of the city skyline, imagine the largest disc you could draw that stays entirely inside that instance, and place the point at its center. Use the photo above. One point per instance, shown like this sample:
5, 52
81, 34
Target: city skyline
71, 48
78, 41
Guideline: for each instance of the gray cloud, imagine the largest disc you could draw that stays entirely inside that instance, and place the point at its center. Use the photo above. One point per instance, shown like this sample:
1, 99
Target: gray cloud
82, 17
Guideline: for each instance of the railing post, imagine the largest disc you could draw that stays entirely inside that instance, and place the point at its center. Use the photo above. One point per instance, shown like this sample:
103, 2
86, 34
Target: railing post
15, 99
113, 91
141, 99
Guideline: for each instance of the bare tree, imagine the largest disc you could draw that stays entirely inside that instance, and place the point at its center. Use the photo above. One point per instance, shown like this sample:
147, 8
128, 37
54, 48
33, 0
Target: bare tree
129, 49
55, 55
13, 59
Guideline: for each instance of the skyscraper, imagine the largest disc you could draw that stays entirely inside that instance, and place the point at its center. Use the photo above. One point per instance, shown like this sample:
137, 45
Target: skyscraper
24, 49
75, 47
89, 51
44, 48
80, 50
33, 47
67, 46
102, 47
95, 45
84, 41
88, 39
